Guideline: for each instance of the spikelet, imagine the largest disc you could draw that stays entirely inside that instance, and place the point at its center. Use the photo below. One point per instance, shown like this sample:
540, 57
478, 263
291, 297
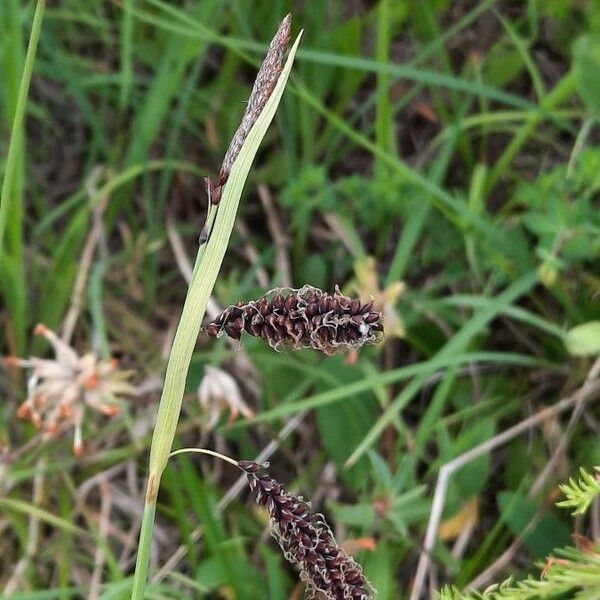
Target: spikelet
306, 541
304, 318
265, 82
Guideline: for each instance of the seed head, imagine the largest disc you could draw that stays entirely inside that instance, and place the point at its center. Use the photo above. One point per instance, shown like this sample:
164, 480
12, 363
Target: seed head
265, 82
304, 318
219, 390
59, 390
307, 541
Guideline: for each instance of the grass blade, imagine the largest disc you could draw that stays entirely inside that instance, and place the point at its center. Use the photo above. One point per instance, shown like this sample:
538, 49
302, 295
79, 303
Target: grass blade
17, 125
205, 274
456, 344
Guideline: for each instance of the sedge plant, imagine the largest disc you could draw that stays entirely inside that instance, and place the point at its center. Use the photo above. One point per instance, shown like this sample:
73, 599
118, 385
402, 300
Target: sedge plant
224, 198
304, 536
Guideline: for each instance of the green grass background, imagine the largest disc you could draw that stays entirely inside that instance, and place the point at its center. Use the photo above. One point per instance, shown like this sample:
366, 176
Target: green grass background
454, 143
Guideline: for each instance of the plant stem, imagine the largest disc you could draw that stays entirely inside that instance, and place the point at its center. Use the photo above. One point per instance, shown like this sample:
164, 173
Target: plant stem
563, 89
192, 314
145, 544
17, 124
205, 451
206, 269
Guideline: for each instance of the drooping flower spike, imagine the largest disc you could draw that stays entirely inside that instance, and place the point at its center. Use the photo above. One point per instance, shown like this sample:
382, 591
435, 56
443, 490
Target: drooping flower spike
327, 570
304, 318
306, 541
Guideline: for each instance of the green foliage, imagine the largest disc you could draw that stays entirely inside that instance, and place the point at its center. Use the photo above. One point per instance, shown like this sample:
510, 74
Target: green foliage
569, 572
587, 70
582, 492
549, 531
395, 504
454, 152
560, 211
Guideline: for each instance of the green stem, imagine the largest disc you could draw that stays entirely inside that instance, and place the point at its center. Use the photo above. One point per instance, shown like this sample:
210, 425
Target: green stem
145, 544
205, 274
563, 89
17, 124
208, 263
205, 451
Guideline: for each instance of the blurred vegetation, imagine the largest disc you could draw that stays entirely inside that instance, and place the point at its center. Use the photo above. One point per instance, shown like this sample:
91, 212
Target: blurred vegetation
442, 157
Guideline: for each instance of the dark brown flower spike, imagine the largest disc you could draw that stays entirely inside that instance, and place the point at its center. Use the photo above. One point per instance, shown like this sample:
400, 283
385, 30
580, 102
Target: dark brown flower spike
304, 318
265, 82
307, 542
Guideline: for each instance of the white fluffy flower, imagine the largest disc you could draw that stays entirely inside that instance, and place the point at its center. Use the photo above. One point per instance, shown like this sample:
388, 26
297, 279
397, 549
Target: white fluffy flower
219, 390
59, 390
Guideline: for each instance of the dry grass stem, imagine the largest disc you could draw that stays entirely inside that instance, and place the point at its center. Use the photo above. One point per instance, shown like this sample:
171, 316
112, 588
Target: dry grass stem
502, 562
251, 254
93, 240
103, 532
588, 392
280, 240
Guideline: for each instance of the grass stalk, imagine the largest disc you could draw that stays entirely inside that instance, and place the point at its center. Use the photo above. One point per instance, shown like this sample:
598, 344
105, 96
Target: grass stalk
563, 89
208, 264
16, 134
